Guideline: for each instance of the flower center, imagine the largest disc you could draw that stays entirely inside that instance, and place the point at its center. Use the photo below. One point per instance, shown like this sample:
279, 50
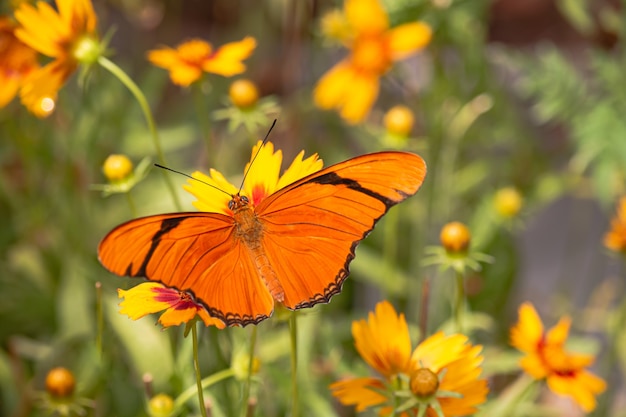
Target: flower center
371, 54
424, 383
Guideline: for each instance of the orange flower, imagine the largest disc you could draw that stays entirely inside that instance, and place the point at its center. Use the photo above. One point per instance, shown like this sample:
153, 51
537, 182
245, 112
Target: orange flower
546, 358
152, 297
187, 62
615, 239
17, 60
352, 85
438, 366
69, 36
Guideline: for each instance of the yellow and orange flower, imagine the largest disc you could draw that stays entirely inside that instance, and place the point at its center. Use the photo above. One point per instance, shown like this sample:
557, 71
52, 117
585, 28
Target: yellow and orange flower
68, 35
615, 239
190, 59
262, 179
153, 297
352, 86
441, 375
546, 358
17, 61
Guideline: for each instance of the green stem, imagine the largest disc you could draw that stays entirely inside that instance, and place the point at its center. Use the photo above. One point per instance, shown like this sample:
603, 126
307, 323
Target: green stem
99, 319
246, 388
204, 119
460, 301
131, 204
293, 331
206, 382
196, 366
145, 108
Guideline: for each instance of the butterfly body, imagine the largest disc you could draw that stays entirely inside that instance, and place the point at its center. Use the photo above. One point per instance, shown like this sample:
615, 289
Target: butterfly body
294, 246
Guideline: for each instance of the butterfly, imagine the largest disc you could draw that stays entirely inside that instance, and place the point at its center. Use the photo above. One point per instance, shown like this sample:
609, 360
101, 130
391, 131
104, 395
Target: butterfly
294, 247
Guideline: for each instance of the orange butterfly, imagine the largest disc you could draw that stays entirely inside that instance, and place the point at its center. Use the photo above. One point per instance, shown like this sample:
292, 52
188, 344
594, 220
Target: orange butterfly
293, 246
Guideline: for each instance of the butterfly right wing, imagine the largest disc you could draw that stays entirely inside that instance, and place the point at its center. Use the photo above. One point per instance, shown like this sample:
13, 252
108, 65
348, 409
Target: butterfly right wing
193, 252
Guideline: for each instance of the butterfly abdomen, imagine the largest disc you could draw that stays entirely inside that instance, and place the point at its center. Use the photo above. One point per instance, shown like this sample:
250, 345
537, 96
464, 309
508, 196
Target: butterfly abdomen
250, 230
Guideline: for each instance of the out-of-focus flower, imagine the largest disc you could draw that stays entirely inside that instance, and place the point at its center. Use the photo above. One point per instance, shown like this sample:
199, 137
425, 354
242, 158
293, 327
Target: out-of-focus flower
118, 170
243, 93
352, 86
262, 179
399, 120
241, 365
68, 36
546, 358
455, 237
17, 61
615, 238
152, 297
60, 382
508, 202
441, 375
190, 59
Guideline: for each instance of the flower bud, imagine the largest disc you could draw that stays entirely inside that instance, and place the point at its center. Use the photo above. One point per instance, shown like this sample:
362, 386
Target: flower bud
243, 93
399, 120
117, 167
424, 383
161, 405
241, 365
508, 202
60, 382
455, 237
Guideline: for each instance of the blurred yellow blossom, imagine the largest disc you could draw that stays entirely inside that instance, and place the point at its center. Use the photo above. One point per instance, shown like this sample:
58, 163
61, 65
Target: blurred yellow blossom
190, 59
455, 237
17, 61
546, 358
60, 382
68, 36
117, 167
399, 120
508, 202
615, 239
243, 93
352, 86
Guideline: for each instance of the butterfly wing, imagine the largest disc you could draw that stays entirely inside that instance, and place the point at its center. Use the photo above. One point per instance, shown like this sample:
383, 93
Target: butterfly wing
193, 252
312, 227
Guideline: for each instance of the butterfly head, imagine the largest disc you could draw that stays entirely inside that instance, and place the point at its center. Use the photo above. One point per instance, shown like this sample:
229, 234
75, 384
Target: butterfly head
238, 202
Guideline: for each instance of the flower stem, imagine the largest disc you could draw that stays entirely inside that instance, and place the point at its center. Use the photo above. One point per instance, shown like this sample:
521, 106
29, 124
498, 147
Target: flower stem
131, 204
293, 330
99, 318
460, 301
206, 382
204, 119
145, 108
246, 389
196, 366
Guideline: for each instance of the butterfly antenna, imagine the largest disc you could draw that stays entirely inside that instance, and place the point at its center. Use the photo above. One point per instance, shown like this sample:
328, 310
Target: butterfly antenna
193, 178
267, 135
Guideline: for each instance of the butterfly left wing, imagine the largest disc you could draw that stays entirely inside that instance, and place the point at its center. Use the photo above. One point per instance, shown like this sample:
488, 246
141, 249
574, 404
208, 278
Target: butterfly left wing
312, 227
193, 252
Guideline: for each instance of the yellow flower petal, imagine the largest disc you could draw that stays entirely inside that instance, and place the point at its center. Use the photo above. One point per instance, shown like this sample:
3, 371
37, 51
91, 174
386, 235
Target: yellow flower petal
140, 300
384, 341
262, 175
164, 57
582, 387
299, 169
528, 331
557, 335
407, 39
361, 392
42, 28
210, 198
44, 84
366, 16
333, 86
227, 59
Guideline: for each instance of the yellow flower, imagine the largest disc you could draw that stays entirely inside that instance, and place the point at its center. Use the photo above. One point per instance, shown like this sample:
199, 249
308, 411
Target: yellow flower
546, 358
17, 61
243, 93
615, 239
508, 202
399, 120
69, 36
187, 62
455, 237
60, 382
352, 85
438, 366
117, 167
152, 297
262, 179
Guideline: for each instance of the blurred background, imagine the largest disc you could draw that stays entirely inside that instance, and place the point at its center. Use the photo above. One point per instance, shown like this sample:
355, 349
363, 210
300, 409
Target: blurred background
524, 95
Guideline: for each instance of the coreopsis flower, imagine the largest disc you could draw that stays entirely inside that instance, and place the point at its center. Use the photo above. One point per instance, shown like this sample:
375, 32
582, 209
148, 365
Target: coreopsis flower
153, 297
17, 61
68, 35
189, 60
546, 358
508, 202
615, 238
399, 120
262, 179
455, 237
60, 382
440, 377
351, 87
